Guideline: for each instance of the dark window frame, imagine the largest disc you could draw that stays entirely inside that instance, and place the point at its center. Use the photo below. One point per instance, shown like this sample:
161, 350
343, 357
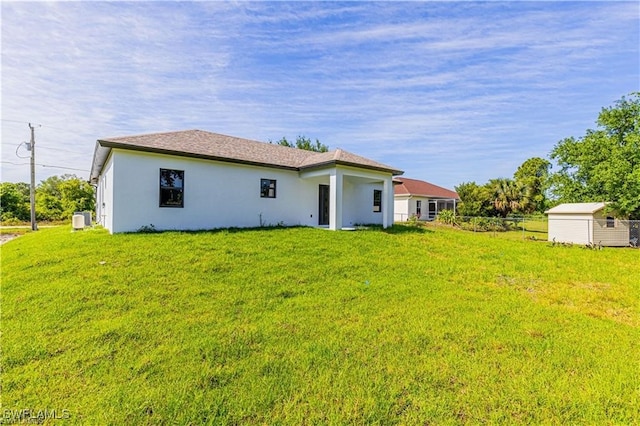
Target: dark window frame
377, 201
167, 192
611, 222
268, 188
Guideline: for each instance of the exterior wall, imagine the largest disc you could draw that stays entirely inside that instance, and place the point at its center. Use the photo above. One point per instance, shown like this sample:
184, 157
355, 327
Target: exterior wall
424, 208
104, 196
406, 207
216, 195
358, 203
617, 236
570, 228
587, 229
219, 195
401, 209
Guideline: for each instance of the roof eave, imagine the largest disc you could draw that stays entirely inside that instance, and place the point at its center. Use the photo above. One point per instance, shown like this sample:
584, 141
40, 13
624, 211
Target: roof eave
590, 211
111, 144
441, 197
332, 163
100, 156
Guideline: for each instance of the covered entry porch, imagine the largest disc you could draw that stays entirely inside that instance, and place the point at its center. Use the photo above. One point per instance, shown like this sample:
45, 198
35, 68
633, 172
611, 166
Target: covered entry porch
349, 196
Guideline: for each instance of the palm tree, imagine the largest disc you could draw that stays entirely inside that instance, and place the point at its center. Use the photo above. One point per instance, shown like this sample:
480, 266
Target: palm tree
529, 198
507, 196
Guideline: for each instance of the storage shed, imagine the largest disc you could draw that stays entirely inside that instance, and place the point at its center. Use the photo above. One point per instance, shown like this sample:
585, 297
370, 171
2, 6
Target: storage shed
587, 223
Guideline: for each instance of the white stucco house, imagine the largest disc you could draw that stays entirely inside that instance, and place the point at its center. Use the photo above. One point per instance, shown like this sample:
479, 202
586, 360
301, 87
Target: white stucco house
424, 200
190, 180
587, 223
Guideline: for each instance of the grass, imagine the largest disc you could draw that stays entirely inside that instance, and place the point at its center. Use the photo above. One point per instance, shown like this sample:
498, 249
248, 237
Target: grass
41, 223
307, 326
14, 230
532, 228
23, 229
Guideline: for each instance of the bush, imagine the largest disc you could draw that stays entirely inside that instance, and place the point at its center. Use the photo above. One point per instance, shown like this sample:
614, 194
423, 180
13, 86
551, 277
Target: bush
485, 224
11, 221
14, 202
413, 220
147, 229
447, 217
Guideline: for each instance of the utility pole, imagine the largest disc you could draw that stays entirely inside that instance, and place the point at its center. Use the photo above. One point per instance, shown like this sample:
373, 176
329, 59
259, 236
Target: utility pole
32, 192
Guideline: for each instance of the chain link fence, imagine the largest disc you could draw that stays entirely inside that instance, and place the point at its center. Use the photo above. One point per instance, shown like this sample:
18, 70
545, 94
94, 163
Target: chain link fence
598, 232
534, 228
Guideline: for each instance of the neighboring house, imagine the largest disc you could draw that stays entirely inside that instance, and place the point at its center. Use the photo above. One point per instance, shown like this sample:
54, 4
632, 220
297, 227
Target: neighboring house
587, 223
194, 179
417, 198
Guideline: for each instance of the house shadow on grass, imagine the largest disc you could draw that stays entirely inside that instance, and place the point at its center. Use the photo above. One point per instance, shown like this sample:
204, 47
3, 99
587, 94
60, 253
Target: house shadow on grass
232, 230
395, 229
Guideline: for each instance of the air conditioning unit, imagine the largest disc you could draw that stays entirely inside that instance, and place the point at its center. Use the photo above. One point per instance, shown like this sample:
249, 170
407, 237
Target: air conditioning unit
77, 221
87, 218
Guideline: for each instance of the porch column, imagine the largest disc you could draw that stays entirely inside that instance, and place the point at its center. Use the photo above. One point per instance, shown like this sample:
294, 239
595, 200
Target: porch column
335, 200
387, 202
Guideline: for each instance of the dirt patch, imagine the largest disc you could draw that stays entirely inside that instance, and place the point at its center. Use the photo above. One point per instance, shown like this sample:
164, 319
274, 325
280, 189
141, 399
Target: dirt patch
7, 237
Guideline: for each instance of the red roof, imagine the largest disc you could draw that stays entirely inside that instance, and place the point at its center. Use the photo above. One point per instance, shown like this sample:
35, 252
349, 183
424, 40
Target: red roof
404, 186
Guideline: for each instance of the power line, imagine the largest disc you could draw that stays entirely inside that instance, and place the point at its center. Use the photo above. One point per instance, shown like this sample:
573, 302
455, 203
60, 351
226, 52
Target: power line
18, 147
47, 147
60, 149
15, 121
45, 165
56, 128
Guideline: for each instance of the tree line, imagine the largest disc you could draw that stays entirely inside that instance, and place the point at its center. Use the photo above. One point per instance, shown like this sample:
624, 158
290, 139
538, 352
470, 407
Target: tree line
303, 142
57, 198
523, 194
602, 165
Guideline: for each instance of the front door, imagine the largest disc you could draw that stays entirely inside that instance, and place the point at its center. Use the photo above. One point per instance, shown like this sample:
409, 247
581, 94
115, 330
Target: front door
323, 204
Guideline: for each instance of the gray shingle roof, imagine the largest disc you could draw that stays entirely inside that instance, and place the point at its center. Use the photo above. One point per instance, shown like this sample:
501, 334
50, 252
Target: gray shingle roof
214, 146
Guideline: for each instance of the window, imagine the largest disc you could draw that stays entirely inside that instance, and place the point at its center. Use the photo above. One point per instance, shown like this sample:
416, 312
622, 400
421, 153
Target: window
611, 222
418, 208
377, 200
171, 188
267, 188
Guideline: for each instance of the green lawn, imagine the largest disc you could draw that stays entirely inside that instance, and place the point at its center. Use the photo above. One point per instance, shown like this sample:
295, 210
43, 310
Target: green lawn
306, 326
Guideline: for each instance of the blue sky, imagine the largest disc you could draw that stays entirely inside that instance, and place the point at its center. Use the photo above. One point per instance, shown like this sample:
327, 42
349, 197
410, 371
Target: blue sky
449, 92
